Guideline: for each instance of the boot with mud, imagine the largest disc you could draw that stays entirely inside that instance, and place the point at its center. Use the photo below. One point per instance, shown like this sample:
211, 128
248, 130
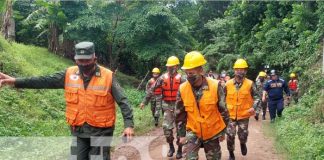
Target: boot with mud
243, 149
256, 116
179, 152
156, 121
171, 150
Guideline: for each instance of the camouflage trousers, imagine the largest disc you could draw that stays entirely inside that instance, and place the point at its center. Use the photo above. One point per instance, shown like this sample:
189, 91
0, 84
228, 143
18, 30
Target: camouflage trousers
211, 147
262, 106
294, 96
242, 132
168, 121
155, 111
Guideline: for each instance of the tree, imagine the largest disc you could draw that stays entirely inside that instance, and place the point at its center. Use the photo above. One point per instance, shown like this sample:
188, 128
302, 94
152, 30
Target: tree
51, 20
8, 22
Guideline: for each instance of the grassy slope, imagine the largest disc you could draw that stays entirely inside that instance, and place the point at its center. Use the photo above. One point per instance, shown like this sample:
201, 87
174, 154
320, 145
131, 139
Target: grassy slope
28, 112
299, 134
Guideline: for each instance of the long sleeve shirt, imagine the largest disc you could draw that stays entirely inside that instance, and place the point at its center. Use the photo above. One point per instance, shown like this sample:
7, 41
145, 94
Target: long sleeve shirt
57, 81
254, 92
181, 114
275, 89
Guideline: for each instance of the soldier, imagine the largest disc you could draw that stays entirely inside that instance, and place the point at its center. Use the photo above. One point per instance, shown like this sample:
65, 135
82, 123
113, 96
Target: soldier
274, 89
201, 114
263, 105
222, 80
157, 91
169, 82
90, 93
211, 74
242, 101
293, 87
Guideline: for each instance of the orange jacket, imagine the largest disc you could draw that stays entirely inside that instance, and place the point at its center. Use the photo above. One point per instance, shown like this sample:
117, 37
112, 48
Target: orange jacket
239, 101
205, 119
158, 90
170, 86
293, 84
94, 105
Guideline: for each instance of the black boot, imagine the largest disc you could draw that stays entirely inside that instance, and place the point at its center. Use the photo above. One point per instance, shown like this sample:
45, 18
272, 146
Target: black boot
243, 149
256, 116
171, 150
156, 121
179, 152
231, 155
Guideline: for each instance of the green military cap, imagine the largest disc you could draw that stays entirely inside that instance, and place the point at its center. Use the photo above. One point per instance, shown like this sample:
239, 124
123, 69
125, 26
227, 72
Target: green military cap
84, 50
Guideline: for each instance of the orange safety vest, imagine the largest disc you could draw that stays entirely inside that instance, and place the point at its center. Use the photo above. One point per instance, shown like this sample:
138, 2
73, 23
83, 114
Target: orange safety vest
204, 120
293, 84
170, 86
239, 101
158, 90
94, 105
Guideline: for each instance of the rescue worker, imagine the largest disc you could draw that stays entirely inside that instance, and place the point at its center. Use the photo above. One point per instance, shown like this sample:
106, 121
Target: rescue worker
293, 87
90, 93
201, 114
169, 82
222, 80
157, 91
261, 80
211, 74
242, 101
274, 89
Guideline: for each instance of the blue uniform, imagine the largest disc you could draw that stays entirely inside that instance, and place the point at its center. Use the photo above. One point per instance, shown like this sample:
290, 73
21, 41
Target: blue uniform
275, 89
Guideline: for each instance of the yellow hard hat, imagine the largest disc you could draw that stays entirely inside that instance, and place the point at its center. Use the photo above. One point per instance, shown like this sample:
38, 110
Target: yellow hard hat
193, 59
156, 70
292, 75
240, 63
262, 74
172, 61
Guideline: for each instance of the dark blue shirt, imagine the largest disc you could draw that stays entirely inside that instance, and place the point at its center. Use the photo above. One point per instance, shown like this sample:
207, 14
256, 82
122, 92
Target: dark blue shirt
275, 89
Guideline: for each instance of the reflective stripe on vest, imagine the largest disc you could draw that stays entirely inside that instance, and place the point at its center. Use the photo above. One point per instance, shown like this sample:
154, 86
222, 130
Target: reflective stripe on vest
158, 90
94, 105
293, 84
239, 101
170, 86
205, 120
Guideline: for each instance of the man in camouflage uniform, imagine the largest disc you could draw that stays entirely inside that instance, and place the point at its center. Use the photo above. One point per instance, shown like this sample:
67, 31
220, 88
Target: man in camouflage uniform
157, 91
201, 114
169, 82
241, 101
262, 105
89, 90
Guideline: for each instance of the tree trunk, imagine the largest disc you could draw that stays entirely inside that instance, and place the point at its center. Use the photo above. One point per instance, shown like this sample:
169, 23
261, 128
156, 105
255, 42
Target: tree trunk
66, 49
53, 43
8, 25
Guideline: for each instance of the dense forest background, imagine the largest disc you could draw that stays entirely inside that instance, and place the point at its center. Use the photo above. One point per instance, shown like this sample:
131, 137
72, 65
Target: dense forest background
136, 36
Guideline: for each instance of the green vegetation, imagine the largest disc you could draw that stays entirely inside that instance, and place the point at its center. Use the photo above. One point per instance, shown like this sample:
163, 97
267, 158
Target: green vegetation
300, 133
28, 112
135, 36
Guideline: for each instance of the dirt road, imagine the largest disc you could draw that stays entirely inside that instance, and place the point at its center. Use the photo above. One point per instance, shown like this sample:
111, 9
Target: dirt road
153, 146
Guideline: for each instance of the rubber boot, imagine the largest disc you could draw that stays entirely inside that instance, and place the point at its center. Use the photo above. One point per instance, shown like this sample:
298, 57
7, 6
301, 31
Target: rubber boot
243, 149
256, 116
231, 155
171, 150
179, 152
263, 115
156, 121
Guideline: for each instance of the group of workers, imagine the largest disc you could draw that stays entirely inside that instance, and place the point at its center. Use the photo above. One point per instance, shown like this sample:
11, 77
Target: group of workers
202, 109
